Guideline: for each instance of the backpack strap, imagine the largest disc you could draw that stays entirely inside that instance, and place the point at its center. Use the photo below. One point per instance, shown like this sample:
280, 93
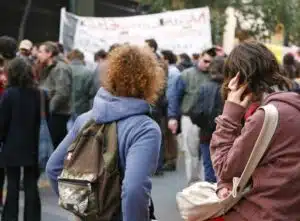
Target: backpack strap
81, 132
112, 138
110, 149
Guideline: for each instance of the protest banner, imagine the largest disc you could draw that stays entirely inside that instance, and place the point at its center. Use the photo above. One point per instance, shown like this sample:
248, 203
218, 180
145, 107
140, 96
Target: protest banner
183, 31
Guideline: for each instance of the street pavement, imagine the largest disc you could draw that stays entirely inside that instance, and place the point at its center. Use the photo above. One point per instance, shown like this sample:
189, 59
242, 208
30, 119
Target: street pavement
163, 193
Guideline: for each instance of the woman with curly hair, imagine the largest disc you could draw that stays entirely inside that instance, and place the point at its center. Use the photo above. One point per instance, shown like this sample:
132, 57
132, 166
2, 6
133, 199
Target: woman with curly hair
19, 136
252, 75
133, 81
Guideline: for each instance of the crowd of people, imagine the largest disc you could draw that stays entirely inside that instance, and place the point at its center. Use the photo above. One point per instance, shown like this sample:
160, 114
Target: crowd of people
162, 103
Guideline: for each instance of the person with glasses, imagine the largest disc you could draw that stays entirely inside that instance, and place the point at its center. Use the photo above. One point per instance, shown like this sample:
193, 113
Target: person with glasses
181, 98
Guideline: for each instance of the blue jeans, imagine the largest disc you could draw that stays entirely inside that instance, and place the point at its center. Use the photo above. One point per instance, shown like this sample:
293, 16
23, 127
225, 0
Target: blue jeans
208, 168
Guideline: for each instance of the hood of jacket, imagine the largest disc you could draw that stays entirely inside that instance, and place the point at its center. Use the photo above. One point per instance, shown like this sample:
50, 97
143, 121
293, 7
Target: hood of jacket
290, 98
108, 108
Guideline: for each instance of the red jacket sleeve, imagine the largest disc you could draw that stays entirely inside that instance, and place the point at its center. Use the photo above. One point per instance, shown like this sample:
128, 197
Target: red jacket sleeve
231, 144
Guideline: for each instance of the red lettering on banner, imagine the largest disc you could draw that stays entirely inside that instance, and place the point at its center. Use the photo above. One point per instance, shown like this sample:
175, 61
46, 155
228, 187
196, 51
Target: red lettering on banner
173, 19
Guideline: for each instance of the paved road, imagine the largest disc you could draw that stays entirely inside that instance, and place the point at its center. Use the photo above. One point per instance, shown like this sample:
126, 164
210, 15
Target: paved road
164, 191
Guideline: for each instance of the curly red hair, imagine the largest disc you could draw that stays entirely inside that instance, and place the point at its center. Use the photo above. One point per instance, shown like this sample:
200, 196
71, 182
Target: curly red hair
134, 72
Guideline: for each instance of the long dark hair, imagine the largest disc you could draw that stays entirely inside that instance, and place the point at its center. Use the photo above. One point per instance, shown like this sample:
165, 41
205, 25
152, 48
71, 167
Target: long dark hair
258, 69
20, 74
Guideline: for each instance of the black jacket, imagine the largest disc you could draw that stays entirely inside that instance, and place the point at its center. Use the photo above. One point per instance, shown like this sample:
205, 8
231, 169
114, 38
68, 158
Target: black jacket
208, 106
159, 110
19, 127
184, 65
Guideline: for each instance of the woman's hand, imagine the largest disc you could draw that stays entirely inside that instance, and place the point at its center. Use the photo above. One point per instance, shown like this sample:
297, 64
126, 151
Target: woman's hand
223, 193
236, 92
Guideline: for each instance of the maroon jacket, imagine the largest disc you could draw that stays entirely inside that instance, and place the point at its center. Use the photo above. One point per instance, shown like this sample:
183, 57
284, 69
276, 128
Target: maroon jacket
275, 195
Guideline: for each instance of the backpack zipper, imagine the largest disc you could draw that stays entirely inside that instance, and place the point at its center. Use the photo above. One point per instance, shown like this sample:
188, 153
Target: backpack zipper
75, 182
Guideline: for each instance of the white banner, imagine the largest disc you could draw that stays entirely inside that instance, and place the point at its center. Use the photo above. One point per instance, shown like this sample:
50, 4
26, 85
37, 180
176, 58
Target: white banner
184, 31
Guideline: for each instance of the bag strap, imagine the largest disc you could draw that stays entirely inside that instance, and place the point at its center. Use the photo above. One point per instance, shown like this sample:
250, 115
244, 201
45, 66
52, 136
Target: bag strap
112, 136
43, 104
266, 134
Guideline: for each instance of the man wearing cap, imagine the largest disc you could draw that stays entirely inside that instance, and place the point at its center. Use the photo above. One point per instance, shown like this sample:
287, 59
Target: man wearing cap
25, 50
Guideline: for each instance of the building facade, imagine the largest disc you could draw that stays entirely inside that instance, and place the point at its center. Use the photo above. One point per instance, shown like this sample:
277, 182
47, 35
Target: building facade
44, 16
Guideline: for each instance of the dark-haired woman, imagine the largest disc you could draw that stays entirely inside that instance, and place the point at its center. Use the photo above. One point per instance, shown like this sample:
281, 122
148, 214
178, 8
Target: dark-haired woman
252, 75
19, 135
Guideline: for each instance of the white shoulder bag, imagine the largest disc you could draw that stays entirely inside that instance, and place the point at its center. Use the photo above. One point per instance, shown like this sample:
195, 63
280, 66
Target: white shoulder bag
200, 202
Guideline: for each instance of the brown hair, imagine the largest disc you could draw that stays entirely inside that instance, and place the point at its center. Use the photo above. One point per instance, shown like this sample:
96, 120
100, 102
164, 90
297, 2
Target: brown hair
134, 72
258, 69
75, 55
51, 47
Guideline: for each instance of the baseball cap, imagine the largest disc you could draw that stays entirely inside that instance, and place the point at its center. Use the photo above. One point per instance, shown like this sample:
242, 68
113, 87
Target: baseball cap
26, 44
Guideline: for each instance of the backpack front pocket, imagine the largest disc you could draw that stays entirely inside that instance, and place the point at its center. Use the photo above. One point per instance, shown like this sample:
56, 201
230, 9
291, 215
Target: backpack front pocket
77, 196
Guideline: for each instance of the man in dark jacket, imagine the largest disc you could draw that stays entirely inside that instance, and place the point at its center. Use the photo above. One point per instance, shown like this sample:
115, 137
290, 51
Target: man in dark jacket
83, 89
56, 79
207, 107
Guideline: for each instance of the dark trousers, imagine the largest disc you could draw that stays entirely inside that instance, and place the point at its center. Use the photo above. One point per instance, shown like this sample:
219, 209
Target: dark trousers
58, 128
32, 208
171, 150
208, 167
2, 177
168, 150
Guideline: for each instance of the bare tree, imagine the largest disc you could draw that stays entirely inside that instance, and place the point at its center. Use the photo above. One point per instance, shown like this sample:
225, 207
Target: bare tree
24, 19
